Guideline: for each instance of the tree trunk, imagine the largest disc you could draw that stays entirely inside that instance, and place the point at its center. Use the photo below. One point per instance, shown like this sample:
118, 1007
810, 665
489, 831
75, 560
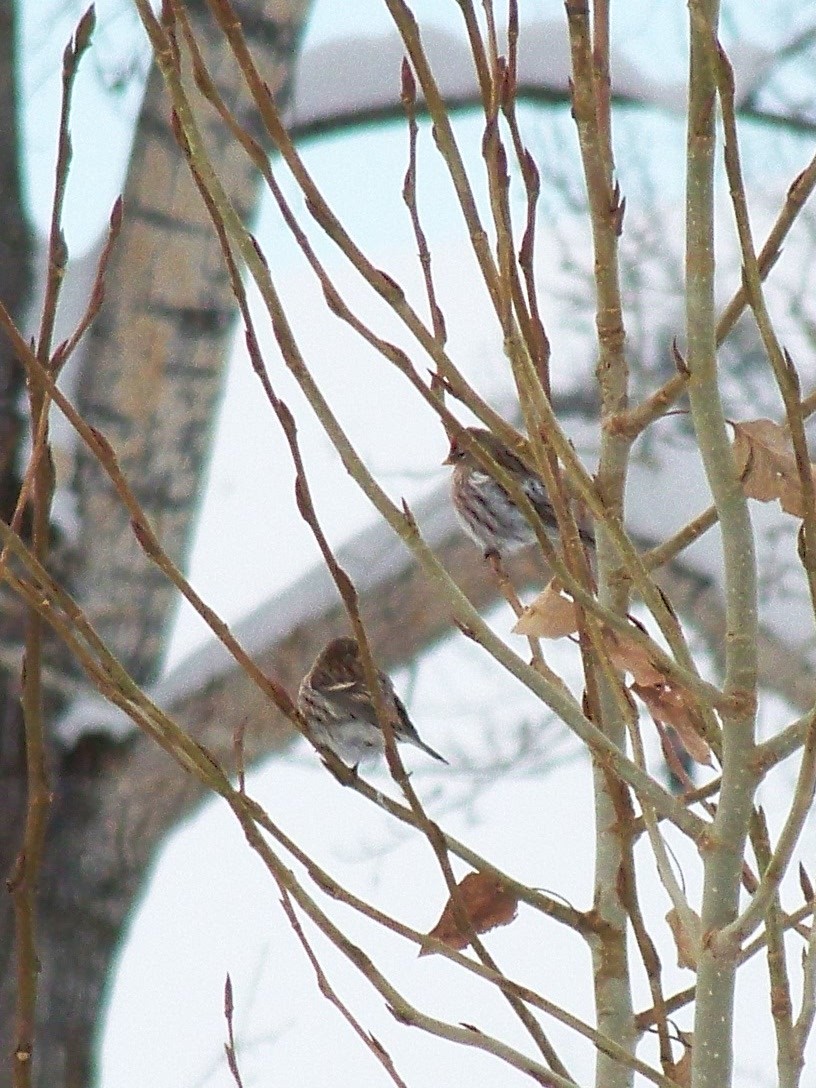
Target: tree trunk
151, 382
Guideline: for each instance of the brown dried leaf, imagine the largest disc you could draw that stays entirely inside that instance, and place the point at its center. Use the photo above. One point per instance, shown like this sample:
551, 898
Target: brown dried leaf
673, 706
629, 656
550, 615
487, 904
805, 883
686, 943
767, 464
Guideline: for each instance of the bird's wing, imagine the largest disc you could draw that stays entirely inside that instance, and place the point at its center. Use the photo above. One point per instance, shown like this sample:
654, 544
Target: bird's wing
406, 730
352, 697
537, 494
404, 725
514, 465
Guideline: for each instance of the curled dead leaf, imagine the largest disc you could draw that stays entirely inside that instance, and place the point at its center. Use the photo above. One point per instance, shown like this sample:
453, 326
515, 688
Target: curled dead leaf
687, 944
630, 656
551, 615
672, 705
486, 902
767, 464
805, 883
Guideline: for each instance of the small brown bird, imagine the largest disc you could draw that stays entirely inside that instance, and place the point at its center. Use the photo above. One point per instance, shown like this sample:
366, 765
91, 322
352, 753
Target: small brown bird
485, 510
338, 708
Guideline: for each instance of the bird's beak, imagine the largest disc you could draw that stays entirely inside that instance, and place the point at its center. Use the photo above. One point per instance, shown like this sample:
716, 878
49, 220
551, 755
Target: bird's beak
451, 458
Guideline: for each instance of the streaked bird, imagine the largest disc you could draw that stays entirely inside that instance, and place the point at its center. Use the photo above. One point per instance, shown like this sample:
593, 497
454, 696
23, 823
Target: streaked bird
336, 704
486, 511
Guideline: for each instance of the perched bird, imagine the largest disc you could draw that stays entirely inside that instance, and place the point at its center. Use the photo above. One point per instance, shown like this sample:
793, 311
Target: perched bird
485, 510
337, 705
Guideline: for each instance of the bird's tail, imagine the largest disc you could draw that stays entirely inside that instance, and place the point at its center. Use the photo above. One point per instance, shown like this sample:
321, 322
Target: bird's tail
420, 743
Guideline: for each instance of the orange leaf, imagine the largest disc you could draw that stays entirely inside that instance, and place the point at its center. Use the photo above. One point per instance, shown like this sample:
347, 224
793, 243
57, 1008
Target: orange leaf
550, 615
487, 904
673, 706
767, 464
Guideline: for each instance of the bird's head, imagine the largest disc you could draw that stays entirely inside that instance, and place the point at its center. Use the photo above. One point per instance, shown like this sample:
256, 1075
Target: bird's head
459, 453
339, 658
456, 453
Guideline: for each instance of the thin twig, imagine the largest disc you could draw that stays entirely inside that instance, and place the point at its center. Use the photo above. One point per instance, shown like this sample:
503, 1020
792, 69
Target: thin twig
409, 195
326, 989
23, 880
781, 1005
229, 1046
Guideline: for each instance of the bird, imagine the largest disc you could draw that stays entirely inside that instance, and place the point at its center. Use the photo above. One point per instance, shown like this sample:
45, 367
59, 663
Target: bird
483, 507
336, 704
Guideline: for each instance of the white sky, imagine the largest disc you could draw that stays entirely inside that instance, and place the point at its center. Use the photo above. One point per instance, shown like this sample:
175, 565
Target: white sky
210, 908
